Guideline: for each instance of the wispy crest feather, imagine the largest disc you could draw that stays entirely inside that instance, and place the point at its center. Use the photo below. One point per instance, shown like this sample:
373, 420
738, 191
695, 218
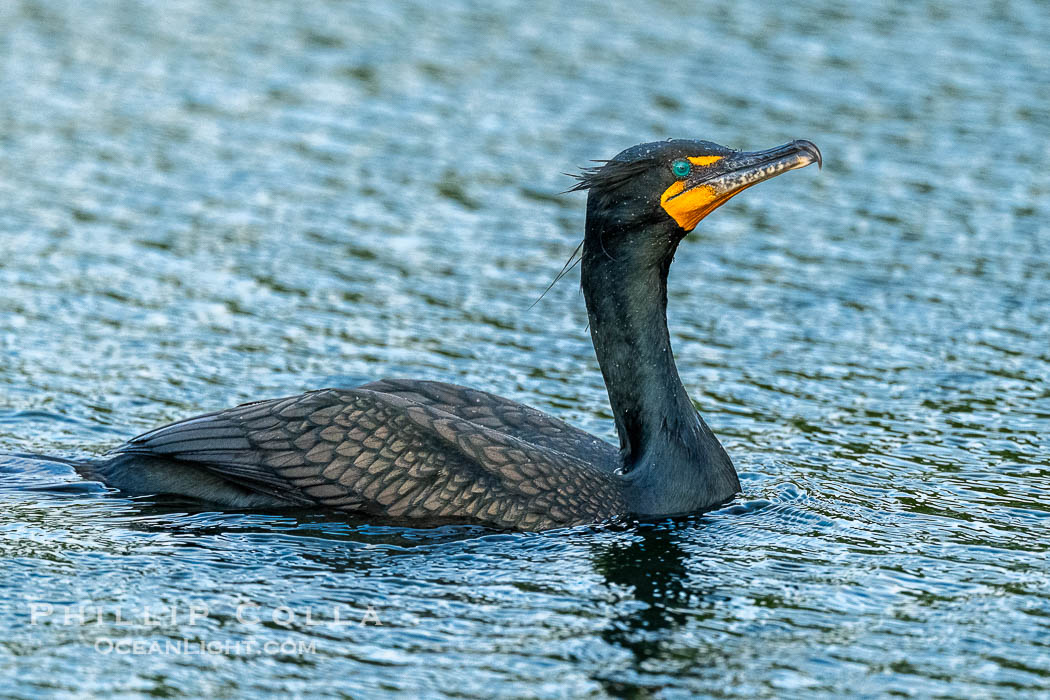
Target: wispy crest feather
608, 175
572, 262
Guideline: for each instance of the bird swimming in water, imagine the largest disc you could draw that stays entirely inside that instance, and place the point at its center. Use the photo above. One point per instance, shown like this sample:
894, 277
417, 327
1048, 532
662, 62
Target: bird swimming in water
423, 452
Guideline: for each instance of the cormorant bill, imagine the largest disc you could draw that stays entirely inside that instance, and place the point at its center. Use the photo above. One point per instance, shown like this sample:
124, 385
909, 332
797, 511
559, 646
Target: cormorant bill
421, 452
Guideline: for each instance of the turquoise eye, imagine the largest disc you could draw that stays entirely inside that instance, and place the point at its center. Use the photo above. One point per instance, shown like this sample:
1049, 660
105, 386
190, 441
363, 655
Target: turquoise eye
681, 168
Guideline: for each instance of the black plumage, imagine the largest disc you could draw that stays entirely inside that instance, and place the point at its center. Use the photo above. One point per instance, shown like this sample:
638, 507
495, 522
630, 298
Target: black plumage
428, 452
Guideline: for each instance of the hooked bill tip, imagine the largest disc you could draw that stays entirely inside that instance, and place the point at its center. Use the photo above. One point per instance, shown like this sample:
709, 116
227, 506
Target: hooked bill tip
811, 149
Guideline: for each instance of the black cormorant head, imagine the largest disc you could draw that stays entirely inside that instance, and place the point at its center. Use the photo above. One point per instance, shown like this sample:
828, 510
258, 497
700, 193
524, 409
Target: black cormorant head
646, 199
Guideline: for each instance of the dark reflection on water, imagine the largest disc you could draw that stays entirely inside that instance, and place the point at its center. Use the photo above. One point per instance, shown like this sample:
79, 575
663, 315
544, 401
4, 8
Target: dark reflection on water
205, 203
654, 566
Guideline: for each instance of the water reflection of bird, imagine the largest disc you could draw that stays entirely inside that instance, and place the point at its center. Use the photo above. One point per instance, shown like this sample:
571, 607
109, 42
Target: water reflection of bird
654, 568
428, 452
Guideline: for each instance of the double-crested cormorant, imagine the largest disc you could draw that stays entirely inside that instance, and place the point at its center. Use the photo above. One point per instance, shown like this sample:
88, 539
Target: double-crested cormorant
427, 452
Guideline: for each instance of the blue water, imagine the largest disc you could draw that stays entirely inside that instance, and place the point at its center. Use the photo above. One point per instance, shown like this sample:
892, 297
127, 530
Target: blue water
203, 203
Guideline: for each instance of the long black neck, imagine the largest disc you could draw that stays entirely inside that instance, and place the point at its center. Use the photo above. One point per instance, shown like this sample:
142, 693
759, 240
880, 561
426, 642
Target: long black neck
672, 460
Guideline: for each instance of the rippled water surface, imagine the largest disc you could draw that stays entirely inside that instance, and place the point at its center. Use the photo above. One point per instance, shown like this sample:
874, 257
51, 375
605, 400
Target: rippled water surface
203, 203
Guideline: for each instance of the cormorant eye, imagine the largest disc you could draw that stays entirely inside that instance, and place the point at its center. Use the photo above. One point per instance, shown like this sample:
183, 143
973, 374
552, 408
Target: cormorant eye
681, 168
